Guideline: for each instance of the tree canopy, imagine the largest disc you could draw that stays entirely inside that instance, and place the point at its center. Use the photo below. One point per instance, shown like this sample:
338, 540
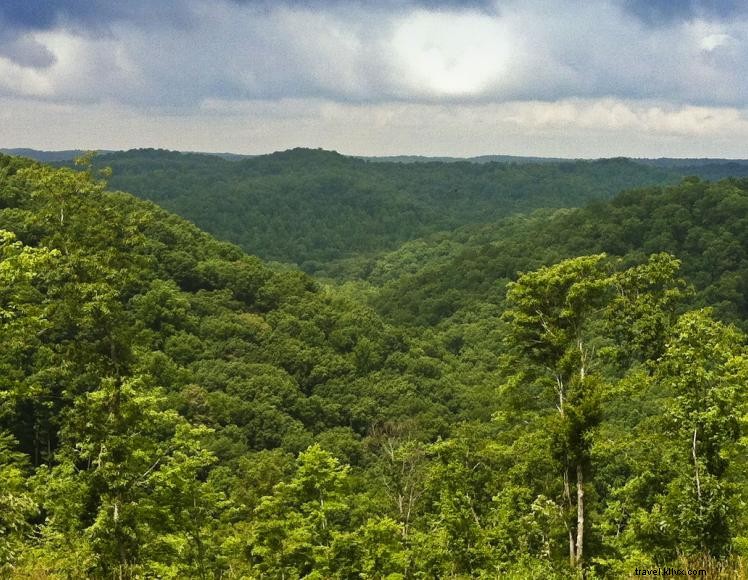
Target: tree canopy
556, 395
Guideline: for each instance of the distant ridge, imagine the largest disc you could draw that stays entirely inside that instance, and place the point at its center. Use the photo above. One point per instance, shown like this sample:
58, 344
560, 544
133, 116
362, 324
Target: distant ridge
689, 161
478, 159
703, 166
47, 156
70, 154
312, 206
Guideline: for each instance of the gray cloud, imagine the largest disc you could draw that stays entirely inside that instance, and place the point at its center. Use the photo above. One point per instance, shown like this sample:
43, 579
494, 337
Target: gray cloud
26, 52
100, 15
664, 12
204, 59
353, 52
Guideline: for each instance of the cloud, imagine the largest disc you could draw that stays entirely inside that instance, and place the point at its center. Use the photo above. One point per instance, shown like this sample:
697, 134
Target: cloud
568, 128
91, 16
180, 53
99, 15
674, 69
642, 118
26, 52
659, 12
436, 54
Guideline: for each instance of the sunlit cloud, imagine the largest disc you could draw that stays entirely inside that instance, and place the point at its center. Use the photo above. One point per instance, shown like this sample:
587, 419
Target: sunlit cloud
451, 54
567, 128
531, 65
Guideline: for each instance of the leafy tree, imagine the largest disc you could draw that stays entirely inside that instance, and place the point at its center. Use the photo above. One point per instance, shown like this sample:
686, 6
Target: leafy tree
705, 365
18, 504
295, 526
580, 324
135, 466
551, 317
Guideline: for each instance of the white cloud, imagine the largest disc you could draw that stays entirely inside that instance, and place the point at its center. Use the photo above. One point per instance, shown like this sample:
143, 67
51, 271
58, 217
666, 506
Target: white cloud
522, 77
569, 128
450, 54
354, 52
20, 80
640, 117
712, 41
80, 69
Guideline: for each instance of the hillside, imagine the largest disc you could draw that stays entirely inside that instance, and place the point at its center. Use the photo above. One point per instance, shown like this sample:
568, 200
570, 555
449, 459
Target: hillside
310, 207
704, 224
172, 407
180, 350
359, 290
45, 156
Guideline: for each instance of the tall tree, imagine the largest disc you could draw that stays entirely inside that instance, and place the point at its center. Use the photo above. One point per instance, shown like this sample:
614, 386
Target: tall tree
706, 367
579, 323
551, 319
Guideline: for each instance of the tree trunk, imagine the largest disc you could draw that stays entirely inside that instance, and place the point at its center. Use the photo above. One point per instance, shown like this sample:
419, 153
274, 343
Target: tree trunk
580, 516
572, 548
569, 528
696, 468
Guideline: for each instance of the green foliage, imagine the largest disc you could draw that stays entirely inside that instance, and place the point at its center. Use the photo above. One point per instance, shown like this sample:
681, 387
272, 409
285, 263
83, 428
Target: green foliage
552, 317
705, 366
294, 528
141, 357
701, 224
171, 407
311, 207
18, 504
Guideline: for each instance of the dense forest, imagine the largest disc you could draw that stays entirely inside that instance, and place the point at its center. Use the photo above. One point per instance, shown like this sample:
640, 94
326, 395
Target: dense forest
311, 207
557, 394
314, 207
702, 223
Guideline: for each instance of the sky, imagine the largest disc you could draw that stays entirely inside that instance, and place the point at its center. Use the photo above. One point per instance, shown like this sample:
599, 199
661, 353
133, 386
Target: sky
562, 78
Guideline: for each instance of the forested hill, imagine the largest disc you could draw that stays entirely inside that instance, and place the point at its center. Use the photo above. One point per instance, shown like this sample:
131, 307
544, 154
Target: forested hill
703, 223
138, 353
171, 407
310, 207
